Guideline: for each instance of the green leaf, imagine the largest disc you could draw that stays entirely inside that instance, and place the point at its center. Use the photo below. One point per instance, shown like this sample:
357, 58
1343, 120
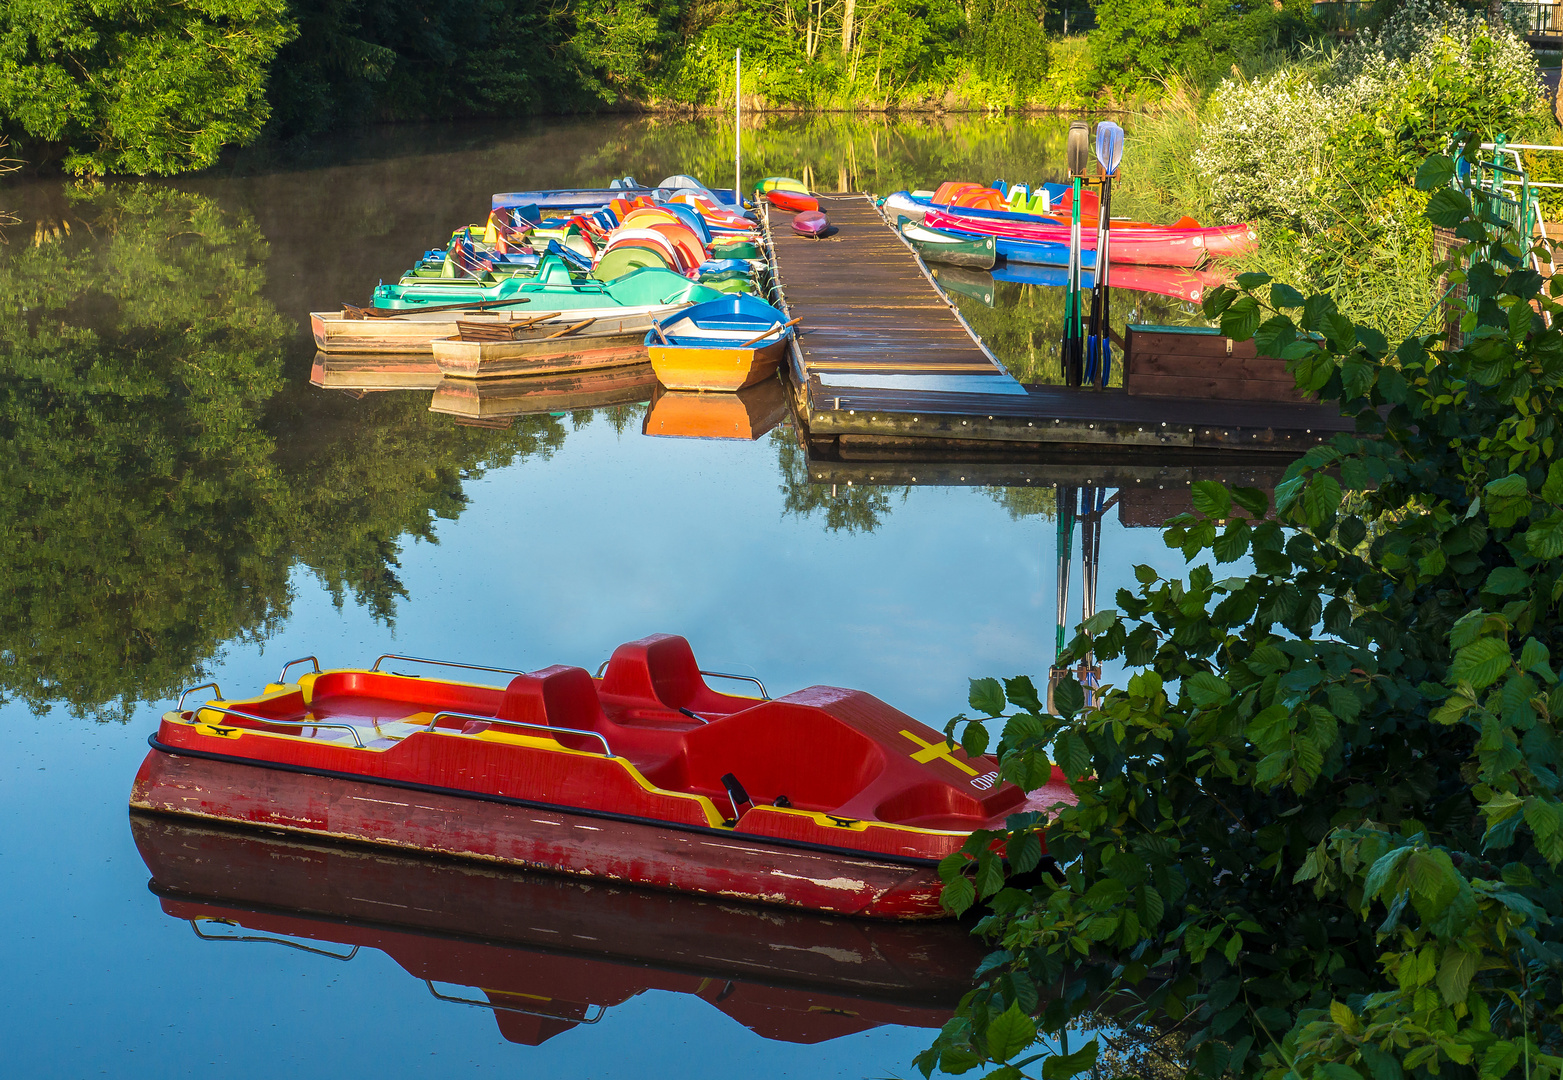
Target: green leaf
1078, 1063
1232, 543
1211, 498
1205, 689
1022, 693
1481, 662
1434, 172
1072, 755
986, 695
1025, 852
1252, 280
1106, 893
1284, 296
958, 895
1506, 581
974, 739
1239, 321
1513, 484
1552, 489
1009, 1033
1455, 974
1321, 499
1254, 500
1544, 539
1447, 207
990, 874
1068, 697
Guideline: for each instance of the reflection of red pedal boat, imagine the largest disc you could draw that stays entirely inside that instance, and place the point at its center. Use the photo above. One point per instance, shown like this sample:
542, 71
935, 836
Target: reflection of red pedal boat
826, 798
548, 952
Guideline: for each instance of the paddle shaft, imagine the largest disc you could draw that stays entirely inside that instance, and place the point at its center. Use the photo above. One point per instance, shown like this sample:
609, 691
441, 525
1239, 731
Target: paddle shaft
774, 327
571, 329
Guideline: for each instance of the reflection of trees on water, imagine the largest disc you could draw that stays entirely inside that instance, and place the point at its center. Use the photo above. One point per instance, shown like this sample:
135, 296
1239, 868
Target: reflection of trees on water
841, 152
159, 484
851, 507
1026, 502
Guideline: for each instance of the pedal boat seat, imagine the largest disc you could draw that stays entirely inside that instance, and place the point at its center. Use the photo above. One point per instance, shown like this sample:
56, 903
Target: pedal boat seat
649, 682
566, 697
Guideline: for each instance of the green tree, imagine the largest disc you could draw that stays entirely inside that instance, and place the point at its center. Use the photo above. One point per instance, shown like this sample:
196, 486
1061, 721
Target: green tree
1321, 825
127, 87
1136, 39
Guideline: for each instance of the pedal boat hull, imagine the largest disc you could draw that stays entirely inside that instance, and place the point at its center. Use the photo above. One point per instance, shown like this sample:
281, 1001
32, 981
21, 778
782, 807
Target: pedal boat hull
844, 804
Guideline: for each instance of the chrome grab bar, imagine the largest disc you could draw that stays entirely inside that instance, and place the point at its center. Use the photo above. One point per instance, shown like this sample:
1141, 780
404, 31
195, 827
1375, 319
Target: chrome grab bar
607, 752
713, 674
349, 728
181, 706
270, 940
300, 660
601, 1009
743, 678
442, 663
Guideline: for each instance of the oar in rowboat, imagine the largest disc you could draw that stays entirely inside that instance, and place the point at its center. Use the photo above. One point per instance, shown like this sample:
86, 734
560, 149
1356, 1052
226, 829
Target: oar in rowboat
775, 327
353, 311
571, 329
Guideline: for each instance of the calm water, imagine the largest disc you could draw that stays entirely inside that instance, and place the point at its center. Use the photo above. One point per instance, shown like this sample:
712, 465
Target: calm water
180, 505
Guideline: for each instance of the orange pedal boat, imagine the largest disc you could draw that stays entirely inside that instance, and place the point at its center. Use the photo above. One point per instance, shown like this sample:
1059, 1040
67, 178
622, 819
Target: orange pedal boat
826, 799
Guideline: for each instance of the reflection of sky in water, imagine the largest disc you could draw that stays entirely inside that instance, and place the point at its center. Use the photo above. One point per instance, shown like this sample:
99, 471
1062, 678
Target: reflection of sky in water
615, 537
553, 560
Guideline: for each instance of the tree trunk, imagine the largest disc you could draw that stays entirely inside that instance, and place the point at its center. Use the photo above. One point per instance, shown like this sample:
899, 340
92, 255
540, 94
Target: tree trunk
846, 27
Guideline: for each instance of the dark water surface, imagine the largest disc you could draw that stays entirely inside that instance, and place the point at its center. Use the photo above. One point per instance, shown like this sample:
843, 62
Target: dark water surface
181, 505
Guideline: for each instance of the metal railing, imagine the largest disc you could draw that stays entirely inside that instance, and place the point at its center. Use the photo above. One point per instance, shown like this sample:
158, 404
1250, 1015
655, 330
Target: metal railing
310, 659
764, 694
440, 663
549, 728
300, 723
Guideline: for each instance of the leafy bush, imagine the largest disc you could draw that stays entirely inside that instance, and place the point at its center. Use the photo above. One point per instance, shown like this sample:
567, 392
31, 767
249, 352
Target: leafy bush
124, 86
1135, 39
1321, 825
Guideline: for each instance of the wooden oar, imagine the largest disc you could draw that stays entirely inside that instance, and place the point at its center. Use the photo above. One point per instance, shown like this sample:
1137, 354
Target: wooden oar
774, 327
395, 313
570, 329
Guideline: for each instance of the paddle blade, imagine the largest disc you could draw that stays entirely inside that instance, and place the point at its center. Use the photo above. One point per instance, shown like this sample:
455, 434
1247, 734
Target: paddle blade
1078, 155
1109, 146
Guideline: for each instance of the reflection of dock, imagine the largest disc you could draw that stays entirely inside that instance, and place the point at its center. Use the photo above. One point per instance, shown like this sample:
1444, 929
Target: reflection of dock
549, 953
883, 357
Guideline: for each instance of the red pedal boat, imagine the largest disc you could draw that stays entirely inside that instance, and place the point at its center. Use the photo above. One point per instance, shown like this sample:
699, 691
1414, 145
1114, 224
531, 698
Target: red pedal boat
826, 799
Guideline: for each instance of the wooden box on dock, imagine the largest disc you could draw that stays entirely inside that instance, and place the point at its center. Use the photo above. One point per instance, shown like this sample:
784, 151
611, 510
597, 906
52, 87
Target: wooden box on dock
1197, 362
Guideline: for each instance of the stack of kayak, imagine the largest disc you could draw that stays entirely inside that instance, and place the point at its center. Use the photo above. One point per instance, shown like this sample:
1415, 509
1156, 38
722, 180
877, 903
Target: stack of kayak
1033, 226
785, 193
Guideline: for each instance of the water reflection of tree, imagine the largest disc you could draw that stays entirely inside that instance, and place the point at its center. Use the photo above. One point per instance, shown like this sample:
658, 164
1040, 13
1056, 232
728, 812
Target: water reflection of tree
851, 507
1025, 324
1025, 502
156, 493
841, 152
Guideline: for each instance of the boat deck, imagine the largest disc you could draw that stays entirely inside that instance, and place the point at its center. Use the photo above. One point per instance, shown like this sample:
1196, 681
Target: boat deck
884, 357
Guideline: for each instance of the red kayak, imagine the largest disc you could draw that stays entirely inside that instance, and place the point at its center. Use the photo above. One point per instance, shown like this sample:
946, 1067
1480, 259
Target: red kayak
792, 200
1147, 244
826, 799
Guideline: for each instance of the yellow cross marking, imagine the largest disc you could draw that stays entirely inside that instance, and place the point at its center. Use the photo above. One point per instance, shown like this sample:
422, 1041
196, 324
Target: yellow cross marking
939, 750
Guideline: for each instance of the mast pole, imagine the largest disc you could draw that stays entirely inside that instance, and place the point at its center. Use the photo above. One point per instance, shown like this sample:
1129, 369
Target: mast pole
738, 130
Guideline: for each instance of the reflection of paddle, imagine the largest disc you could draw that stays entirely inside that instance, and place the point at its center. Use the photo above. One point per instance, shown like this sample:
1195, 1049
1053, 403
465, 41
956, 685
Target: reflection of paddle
774, 327
352, 311
571, 329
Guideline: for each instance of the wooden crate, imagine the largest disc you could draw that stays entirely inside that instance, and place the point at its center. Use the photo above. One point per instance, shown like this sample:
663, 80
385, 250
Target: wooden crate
1196, 362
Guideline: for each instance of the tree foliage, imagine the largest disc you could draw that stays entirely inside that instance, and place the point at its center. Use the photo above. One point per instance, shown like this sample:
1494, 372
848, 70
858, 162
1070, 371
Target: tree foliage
1135, 39
1320, 826
129, 87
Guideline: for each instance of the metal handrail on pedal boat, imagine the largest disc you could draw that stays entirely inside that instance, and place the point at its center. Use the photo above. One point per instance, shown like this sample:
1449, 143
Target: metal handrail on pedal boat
713, 674
349, 728
606, 749
181, 706
282, 674
442, 663
602, 1009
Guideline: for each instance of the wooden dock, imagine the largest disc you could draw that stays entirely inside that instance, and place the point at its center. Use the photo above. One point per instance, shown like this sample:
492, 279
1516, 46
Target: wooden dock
885, 360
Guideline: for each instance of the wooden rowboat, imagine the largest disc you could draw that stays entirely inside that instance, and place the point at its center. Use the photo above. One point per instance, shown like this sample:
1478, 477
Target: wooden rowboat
542, 348
951, 249
505, 399
414, 332
826, 799
725, 344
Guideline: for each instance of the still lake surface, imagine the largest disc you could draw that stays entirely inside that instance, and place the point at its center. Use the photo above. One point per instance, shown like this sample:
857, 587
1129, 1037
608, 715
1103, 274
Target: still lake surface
180, 505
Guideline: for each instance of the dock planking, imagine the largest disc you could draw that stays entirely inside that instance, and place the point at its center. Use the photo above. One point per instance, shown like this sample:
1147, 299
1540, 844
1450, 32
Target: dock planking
873, 316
